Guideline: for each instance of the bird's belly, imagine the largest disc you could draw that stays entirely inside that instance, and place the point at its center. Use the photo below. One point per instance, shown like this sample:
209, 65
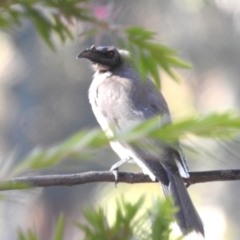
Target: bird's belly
102, 122
118, 148
125, 153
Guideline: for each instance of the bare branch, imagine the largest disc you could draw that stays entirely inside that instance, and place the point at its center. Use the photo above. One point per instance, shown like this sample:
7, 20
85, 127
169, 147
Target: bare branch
124, 177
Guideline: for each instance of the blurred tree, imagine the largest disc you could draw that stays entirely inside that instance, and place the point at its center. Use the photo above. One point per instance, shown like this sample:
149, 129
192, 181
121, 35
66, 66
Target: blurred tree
36, 87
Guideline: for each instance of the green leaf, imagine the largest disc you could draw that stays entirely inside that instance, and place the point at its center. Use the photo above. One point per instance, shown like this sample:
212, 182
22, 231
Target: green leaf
30, 235
48, 17
139, 131
153, 70
13, 186
161, 216
150, 55
42, 24
137, 33
4, 22
215, 125
131, 221
15, 16
59, 231
61, 29
21, 235
178, 63
76, 146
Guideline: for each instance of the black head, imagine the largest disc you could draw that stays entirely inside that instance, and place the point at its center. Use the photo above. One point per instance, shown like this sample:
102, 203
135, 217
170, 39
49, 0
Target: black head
102, 58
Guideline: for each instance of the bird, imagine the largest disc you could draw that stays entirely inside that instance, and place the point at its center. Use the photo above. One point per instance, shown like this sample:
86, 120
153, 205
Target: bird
121, 99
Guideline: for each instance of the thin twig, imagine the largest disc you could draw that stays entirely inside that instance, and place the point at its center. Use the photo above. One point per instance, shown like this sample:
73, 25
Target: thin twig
124, 177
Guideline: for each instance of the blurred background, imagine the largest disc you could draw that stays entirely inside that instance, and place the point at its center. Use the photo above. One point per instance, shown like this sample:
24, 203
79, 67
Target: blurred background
44, 100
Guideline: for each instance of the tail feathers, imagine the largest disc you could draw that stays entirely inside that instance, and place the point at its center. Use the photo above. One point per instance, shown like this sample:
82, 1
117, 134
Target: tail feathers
187, 216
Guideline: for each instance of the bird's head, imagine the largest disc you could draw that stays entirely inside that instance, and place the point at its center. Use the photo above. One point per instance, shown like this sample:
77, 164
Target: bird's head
103, 58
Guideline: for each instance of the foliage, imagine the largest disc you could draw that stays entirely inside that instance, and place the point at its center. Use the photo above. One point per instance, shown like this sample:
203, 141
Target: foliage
131, 222
77, 146
32, 235
215, 125
149, 54
57, 17
48, 17
81, 144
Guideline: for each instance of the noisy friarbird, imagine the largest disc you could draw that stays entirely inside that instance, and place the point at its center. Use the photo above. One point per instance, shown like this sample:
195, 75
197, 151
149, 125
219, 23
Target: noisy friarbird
120, 99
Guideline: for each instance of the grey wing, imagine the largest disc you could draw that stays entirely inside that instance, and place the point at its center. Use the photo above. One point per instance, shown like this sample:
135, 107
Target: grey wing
125, 105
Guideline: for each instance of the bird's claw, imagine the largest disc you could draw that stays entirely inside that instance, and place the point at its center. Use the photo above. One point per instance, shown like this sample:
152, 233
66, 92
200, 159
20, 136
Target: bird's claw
187, 184
115, 172
115, 169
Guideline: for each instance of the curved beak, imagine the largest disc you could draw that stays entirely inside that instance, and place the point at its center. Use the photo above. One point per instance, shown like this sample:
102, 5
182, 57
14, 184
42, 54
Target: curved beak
89, 53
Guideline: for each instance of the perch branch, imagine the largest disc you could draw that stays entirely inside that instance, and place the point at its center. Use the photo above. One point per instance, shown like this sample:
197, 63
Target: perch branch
105, 176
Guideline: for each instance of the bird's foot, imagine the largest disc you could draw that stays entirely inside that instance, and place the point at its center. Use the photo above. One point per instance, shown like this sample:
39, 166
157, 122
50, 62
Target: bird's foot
115, 173
187, 183
115, 170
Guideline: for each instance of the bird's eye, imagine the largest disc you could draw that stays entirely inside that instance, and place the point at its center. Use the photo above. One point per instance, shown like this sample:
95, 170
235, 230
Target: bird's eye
109, 54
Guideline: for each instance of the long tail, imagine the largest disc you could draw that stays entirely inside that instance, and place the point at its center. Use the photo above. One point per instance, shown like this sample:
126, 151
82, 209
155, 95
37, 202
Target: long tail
187, 216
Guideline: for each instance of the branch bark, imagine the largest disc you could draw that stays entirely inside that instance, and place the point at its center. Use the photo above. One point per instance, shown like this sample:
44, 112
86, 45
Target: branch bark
106, 176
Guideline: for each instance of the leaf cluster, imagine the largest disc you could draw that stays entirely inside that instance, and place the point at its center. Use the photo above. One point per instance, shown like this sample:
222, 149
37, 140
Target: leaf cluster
147, 55
56, 17
215, 125
131, 222
49, 17
77, 146
32, 235
81, 144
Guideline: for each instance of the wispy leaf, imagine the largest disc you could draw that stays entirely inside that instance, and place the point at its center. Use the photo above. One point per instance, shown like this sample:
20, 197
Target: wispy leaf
211, 126
131, 222
13, 186
148, 56
29, 235
42, 24
59, 231
49, 17
215, 125
77, 145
